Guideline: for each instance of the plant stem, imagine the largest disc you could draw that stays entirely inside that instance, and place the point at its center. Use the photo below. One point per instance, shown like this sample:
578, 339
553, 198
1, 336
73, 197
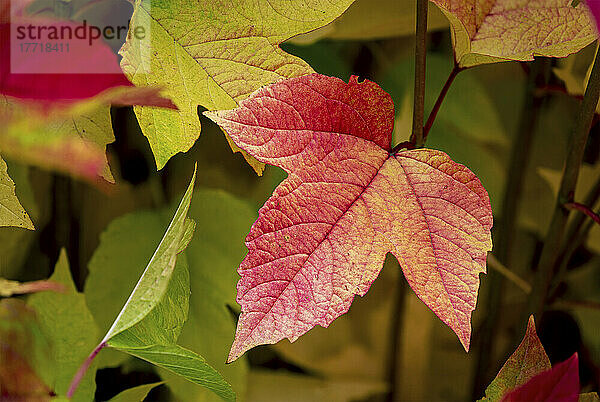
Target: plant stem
576, 234
420, 66
505, 232
440, 99
584, 210
570, 304
590, 199
83, 369
394, 375
433, 114
508, 274
416, 138
554, 237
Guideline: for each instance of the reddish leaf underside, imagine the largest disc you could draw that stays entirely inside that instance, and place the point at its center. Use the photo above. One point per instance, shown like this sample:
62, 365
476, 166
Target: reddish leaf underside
347, 201
559, 384
528, 360
60, 78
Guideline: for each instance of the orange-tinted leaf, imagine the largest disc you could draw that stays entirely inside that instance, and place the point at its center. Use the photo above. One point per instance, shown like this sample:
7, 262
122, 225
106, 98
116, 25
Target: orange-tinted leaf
559, 384
527, 361
347, 201
18, 379
487, 31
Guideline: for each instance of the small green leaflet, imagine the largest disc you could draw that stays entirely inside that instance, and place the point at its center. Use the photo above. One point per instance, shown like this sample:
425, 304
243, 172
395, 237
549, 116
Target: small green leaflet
135, 394
155, 279
68, 325
126, 246
11, 211
149, 324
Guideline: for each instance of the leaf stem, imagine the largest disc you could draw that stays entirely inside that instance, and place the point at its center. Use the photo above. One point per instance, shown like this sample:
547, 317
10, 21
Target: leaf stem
576, 234
417, 137
583, 209
554, 237
508, 274
83, 369
412, 144
438, 103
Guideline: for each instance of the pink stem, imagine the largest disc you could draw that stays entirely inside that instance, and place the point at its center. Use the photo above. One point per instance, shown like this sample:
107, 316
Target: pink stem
82, 370
40, 286
584, 209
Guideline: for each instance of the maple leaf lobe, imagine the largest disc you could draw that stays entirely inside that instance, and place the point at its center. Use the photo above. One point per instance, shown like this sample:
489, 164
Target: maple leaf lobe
323, 235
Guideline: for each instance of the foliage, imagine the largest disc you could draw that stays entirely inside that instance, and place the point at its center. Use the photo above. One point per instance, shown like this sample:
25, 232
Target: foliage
334, 172
310, 252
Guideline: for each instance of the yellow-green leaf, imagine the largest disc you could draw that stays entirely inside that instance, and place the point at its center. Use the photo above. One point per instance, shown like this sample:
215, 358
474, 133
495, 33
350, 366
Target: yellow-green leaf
213, 54
68, 324
11, 211
135, 394
93, 126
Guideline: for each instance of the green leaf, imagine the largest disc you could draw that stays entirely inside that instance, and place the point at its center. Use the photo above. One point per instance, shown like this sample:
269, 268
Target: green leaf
135, 394
154, 281
93, 125
70, 328
11, 211
126, 243
213, 255
116, 266
526, 362
180, 361
213, 54
575, 71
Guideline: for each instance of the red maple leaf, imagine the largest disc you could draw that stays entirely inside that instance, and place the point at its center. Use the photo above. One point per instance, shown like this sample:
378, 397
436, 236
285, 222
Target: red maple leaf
348, 200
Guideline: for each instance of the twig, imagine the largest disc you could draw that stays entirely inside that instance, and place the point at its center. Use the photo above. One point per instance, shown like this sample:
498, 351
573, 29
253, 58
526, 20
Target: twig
412, 144
420, 66
576, 235
496, 265
583, 209
554, 237
440, 99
